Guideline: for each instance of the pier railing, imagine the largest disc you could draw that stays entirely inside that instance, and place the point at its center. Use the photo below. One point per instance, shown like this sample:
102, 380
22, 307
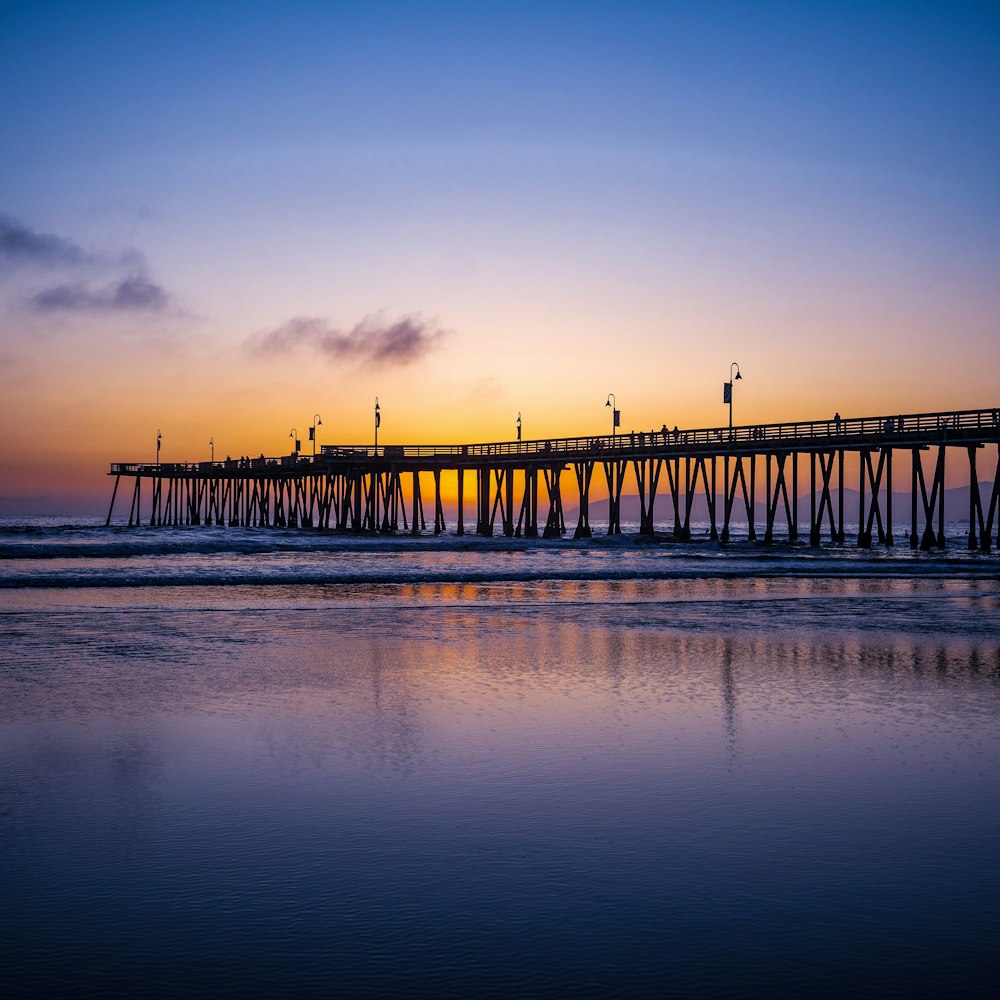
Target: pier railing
903, 429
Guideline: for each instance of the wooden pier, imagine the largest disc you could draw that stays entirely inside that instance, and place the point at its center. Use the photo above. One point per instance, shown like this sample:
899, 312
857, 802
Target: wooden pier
518, 485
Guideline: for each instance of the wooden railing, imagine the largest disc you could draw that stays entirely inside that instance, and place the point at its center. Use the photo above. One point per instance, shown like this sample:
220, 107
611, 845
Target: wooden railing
906, 429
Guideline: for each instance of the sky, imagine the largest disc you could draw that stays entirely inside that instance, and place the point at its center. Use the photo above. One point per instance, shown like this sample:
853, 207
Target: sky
218, 220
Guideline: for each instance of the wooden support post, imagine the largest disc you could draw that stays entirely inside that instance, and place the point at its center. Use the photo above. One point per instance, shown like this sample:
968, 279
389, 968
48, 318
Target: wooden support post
439, 524
554, 521
769, 524
727, 506
874, 516
840, 495
483, 477
338, 491
134, 506
584, 472
933, 502
780, 494
814, 526
673, 483
701, 467
498, 501
864, 537
640, 481
711, 507
417, 502
114, 493
688, 499
357, 521
738, 480
508, 520
527, 517
986, 516
460, 527
793, 528
155, 515
939, 487
826, 496
614, 474
986, 529
975, 505
888, 496
531, 528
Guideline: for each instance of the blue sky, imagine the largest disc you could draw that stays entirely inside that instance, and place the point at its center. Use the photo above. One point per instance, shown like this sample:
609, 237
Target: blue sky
584, 198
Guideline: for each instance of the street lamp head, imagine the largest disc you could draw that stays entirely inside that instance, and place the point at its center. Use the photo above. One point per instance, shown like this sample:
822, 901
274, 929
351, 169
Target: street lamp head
738, 375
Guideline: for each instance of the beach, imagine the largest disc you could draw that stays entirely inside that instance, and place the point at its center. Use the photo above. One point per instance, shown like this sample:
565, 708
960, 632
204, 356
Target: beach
257, 763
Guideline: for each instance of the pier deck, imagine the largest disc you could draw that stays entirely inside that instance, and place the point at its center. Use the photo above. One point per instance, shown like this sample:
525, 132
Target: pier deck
369, 489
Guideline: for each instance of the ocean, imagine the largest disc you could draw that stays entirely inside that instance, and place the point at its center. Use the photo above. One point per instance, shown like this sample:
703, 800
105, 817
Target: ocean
258, 762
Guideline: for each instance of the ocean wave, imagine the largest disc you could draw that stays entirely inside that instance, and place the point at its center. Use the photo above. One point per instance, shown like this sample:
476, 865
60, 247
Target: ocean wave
125, 577
70, 542
80, 555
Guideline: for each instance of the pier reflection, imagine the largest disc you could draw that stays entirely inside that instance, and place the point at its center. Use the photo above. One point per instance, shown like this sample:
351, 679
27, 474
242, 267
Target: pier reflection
387, 676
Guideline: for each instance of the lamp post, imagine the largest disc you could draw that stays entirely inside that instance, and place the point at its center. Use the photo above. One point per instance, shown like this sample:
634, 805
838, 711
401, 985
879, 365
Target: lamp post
519, 425
616, 414
312, 431
378, 420
211, 444
296, 442
159, 438
727, 392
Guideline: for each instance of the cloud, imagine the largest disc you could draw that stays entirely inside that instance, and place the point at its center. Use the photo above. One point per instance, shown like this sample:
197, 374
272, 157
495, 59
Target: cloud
21, 245
372, 342
136, 293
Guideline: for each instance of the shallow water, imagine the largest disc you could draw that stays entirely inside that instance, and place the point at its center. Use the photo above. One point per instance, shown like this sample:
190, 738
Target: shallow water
465, 772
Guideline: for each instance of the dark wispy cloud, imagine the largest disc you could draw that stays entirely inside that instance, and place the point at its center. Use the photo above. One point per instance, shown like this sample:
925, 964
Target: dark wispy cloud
372, 342
19, 244
136, 293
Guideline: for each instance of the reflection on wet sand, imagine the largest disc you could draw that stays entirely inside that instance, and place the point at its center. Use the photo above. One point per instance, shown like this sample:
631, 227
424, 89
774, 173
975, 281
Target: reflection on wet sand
490, 790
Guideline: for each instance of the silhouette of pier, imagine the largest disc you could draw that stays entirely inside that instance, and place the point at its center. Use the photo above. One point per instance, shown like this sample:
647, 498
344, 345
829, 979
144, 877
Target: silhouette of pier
518, 486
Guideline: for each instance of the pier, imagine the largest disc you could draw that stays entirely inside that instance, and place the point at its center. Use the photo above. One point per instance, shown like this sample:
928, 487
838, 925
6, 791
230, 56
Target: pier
517, 487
